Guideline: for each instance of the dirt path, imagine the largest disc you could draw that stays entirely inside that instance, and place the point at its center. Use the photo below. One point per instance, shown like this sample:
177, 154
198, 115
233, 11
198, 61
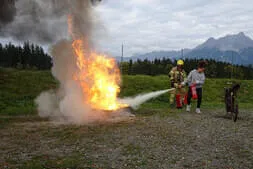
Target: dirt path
176, 140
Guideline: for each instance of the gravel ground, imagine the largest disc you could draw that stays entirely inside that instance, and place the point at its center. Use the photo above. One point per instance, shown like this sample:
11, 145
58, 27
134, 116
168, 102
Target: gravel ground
173, 140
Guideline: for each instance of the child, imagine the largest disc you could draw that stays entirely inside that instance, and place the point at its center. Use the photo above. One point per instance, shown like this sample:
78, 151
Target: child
196, 78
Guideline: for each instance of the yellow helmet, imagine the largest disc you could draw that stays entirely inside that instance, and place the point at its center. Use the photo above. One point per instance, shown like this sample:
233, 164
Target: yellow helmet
180, 62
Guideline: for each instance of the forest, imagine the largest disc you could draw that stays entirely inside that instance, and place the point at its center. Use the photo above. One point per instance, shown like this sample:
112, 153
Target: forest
214, 69
32, 56
27, 56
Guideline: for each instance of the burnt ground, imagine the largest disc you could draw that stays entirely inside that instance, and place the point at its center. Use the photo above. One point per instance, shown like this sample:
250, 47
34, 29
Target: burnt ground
156, 140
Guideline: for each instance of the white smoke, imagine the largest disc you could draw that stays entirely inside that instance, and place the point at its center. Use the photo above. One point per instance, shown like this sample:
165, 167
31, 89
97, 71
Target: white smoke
47, 104
136, 101
67, 103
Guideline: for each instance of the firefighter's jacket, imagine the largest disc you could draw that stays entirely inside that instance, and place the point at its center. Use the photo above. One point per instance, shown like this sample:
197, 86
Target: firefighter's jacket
177, 77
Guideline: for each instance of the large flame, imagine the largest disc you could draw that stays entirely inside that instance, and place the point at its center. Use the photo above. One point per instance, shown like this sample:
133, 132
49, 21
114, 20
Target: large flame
98, 75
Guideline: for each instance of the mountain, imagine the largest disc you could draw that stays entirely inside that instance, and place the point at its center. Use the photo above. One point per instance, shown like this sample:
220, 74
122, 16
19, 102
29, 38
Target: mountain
237, 49
228, 43
154, 55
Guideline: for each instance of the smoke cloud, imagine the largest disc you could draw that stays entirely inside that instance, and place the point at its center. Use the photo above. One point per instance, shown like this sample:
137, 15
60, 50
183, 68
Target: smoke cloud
67, 104
7, 11
42, 21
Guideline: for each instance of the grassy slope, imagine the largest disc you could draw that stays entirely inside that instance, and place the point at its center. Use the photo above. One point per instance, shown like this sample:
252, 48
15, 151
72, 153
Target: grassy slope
19, 88
212, 95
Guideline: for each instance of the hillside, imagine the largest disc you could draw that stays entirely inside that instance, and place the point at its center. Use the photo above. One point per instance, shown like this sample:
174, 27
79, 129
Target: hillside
20, 88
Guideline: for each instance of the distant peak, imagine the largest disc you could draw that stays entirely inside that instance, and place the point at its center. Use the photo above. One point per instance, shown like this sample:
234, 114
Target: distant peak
211, 39
241, 34
230, 42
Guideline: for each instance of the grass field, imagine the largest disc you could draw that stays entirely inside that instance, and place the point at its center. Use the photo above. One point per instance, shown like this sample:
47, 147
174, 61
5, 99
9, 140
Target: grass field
158, 137
20, 88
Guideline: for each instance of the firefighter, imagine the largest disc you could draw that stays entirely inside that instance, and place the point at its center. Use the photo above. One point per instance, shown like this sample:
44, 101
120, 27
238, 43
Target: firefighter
177, 78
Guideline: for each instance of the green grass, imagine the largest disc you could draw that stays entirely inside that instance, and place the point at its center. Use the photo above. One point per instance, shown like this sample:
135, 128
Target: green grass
20, 88
213, 91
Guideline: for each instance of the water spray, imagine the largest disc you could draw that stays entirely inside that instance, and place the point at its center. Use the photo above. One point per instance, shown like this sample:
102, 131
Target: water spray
135, 102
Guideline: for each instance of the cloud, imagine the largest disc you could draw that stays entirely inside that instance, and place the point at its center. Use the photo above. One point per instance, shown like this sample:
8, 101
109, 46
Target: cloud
147, 25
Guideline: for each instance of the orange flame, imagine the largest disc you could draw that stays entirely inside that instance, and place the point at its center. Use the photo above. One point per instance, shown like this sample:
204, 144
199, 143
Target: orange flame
98, 75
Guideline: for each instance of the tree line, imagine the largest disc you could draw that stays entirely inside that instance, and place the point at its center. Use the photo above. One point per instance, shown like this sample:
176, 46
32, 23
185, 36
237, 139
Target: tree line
214, 69
28, 56
31, 56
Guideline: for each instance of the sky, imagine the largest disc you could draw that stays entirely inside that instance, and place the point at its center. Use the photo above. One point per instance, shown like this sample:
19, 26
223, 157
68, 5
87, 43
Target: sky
154, 25
161, 25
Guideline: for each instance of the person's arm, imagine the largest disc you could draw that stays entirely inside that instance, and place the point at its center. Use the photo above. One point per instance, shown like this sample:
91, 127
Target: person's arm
185, 78
189, 78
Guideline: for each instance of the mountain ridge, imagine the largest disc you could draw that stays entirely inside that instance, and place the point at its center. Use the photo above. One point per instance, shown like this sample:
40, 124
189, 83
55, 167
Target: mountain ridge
234, 48
229, 42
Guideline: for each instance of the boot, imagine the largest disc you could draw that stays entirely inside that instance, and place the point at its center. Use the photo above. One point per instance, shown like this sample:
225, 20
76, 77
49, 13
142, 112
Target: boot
198, 111
188, 108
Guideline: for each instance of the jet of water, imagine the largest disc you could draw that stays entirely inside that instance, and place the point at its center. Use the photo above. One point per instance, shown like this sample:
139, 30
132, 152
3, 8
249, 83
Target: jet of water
136, 101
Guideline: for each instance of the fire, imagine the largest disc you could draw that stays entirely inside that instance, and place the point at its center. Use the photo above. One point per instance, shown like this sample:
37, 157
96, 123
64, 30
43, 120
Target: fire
98, 75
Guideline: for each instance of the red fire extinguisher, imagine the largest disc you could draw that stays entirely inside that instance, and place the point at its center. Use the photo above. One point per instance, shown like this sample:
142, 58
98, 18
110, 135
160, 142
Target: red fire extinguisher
194, 92
179, 101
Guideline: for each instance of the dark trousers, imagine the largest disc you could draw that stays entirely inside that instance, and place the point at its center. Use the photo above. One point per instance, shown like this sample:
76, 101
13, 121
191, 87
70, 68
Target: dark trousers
199, 93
